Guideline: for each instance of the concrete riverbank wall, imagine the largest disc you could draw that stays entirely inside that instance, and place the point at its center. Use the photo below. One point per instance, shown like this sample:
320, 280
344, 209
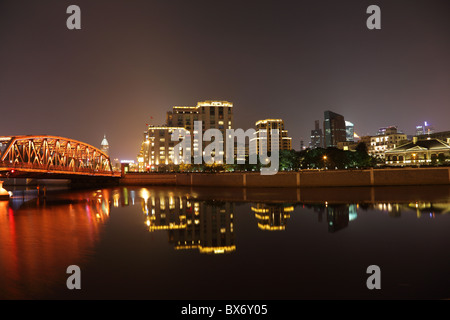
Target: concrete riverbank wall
301, 179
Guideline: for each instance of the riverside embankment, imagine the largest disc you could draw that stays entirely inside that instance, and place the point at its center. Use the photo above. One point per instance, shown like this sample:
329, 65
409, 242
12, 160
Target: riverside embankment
299, 179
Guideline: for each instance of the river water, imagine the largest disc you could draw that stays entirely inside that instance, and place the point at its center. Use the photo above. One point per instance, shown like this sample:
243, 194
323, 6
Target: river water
260, 244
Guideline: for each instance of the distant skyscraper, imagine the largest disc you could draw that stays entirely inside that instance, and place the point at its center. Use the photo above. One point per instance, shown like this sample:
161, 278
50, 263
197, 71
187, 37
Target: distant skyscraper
334, 127
424, 129
316, 137
350, 131
105, 145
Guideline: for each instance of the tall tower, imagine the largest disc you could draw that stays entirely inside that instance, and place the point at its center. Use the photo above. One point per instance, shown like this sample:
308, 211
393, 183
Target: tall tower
334, 127
316, 137
350, 131
105, 146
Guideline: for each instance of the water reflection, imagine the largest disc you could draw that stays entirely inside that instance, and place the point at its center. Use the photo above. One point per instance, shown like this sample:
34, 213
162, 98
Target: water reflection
272, 217
206, 226
40, 237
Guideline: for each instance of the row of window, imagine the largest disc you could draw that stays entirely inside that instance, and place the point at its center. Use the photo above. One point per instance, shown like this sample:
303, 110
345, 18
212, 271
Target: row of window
414, 157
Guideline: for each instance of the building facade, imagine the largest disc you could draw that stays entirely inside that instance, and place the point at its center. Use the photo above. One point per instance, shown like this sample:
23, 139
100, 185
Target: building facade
350, 131
334, 129
213, 114
157, 148
419, 152
264, 136
316, 136
387, 139
424, 129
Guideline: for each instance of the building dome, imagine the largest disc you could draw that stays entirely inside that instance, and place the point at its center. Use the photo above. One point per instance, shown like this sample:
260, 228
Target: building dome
104, 141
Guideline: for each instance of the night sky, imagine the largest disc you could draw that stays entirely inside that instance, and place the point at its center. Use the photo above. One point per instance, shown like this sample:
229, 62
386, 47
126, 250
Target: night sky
133, 60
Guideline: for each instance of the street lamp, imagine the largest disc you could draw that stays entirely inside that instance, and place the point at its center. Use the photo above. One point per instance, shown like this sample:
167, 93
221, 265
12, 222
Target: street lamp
325, 161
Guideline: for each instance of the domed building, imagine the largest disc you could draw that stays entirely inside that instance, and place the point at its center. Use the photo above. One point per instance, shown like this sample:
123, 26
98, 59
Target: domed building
105, 145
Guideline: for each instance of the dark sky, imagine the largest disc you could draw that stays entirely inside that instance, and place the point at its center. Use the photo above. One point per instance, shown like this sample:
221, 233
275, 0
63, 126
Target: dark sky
133, 60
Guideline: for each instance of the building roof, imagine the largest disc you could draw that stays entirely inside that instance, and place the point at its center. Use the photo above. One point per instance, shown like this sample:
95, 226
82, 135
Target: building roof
435, 135
429, 144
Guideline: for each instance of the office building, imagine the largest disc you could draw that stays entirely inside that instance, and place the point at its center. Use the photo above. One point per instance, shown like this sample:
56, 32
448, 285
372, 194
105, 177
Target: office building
264, 136
213, 115
334, 129
157, 148
316, 137
424, 129
349, 131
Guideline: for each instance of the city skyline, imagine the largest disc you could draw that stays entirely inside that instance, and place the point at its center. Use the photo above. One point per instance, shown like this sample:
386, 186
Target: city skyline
131, 62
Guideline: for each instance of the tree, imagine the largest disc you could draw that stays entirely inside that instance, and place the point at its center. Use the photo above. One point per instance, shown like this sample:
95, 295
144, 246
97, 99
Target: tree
288, 160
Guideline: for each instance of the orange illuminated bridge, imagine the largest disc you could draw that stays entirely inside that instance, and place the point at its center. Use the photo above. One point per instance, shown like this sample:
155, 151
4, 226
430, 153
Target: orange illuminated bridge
50, 157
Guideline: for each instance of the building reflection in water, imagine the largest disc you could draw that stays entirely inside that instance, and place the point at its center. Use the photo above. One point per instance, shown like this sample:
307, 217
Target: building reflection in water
39, 238
422, 209
275, 217
337, 216
206, 226
272, 217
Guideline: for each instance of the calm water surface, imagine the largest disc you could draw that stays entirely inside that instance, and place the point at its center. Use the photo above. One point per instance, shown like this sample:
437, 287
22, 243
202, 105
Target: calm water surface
175, 243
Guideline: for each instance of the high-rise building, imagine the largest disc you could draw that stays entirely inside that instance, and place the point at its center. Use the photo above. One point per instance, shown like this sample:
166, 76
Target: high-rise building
157, 148
334, 127
316, 137
213, 115
265, 140
424, 128
349, 131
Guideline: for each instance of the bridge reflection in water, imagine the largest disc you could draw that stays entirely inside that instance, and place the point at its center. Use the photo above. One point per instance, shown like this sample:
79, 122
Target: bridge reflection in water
40, 238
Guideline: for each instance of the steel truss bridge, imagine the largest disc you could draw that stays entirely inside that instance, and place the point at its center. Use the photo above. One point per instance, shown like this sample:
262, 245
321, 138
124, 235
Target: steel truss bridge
52, 157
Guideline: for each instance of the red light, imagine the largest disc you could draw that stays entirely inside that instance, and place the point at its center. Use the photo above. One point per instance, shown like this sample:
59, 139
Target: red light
12, 171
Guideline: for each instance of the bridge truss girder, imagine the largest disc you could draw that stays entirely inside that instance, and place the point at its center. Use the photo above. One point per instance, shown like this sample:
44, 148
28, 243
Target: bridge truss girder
52, 153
